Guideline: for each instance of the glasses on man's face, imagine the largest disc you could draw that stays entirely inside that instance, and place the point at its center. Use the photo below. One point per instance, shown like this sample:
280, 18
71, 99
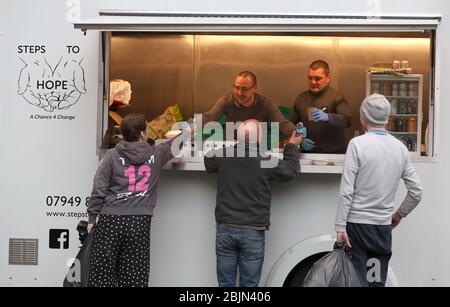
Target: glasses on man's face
242, 88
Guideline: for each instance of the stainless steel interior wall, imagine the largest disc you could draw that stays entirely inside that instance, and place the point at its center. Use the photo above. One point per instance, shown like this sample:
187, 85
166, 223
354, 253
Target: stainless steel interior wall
194, 71
159, 68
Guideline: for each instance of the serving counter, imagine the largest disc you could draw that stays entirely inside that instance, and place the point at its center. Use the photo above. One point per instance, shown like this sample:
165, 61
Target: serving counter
309, 163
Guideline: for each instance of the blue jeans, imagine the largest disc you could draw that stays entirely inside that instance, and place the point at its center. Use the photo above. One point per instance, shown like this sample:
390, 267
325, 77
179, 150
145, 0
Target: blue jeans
243, 248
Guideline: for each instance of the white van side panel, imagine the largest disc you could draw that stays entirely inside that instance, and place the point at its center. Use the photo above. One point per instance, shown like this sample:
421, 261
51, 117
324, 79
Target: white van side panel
45, 153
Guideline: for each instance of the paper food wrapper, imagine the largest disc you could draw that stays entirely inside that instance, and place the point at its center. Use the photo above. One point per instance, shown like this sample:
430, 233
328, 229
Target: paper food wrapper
159, 126
119, 93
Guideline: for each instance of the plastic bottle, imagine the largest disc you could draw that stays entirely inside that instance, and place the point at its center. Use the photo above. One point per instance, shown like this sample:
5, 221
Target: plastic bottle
412, 89
396, 64
394, 106
412, 124
403, 89
394, 91
401, 125
401, 107
404, 64
376, 87
388, 88
413, 104
409, 142
389, 124
408, 108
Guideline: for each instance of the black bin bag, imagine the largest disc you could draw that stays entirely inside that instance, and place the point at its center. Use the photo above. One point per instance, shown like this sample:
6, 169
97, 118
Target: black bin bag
78, 274
335, 269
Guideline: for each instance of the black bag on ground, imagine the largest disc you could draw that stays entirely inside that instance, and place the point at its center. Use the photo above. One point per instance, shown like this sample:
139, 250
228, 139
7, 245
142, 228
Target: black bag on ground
335, 269
78, 274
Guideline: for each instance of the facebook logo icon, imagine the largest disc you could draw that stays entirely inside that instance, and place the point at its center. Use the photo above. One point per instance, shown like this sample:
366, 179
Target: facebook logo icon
59, 238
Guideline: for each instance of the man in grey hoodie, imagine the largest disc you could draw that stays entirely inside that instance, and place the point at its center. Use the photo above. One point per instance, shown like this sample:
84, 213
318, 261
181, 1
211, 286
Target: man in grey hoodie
374, 164
123, 198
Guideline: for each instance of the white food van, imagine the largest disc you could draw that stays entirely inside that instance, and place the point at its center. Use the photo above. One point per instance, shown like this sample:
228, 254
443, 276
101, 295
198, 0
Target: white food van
56, 58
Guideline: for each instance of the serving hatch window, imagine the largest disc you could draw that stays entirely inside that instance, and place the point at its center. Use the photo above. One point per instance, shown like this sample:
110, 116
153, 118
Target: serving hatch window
192, 71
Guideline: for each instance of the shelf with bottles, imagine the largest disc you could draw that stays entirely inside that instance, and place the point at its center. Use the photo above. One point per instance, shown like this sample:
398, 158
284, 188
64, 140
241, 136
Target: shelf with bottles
395, 87
402, 124
403, 106
405, 96
410, 141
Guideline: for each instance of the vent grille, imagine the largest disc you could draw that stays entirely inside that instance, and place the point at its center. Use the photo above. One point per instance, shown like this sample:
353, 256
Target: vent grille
23, 251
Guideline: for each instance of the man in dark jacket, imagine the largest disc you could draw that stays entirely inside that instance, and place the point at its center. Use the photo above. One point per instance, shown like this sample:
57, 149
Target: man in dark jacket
323, 111
243, 203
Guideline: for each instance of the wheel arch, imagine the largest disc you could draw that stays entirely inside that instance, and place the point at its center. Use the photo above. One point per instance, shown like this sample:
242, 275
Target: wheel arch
300, 252
295, 255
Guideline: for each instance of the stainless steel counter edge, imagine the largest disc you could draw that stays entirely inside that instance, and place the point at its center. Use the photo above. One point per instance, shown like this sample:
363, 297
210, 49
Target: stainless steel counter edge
309, 163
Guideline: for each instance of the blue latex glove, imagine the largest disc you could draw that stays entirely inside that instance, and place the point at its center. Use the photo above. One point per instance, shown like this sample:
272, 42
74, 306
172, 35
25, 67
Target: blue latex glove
319, 115
307, 144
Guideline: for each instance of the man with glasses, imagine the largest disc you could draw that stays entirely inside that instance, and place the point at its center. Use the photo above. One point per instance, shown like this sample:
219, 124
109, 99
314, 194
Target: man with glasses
323, 111
244, 103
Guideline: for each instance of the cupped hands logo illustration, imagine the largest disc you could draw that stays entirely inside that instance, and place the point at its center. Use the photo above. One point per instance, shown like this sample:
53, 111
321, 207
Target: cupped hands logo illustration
51, 87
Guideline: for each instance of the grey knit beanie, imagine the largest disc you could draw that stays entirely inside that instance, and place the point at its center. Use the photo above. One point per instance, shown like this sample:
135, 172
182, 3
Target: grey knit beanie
375, 110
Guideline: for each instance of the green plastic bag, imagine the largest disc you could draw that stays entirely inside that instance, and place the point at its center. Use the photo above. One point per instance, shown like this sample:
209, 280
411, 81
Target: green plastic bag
286, 112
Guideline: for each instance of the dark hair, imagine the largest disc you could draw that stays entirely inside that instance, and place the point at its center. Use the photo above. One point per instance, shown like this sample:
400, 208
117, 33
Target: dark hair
320, 64
132, 125
249, 74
